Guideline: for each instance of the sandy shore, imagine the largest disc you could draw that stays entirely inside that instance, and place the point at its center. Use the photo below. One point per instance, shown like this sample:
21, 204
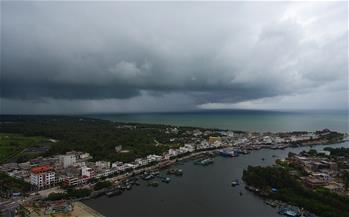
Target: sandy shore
81, 209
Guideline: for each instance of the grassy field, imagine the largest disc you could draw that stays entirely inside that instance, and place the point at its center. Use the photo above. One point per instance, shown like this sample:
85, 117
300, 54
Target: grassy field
12, 145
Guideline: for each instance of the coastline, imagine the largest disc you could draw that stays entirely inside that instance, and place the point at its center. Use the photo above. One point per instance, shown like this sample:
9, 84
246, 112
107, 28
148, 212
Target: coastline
249, 121
196, 143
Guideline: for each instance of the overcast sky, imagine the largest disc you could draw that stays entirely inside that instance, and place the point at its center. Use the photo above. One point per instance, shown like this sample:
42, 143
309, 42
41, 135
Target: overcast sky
85, 57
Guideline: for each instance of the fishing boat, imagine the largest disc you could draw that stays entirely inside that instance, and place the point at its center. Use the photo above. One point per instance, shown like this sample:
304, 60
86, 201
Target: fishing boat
235, 182
155, 173
289, 212
171, 172
135, 183
204, 162
166, 179
153, 184
113, 192
148, 177
271, 203
228, 153
179, 172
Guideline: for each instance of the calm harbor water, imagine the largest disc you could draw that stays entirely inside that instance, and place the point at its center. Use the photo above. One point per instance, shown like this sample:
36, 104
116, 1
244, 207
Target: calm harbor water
202, 191
257, 121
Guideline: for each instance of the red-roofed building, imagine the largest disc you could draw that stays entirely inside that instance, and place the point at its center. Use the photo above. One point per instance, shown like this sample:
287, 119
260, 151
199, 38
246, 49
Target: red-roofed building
42, 176
41, 169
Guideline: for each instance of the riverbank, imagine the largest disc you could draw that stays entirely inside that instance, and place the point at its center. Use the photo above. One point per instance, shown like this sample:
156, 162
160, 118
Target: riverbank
202, 191
123, 179
80, 209
119, 179
313, 181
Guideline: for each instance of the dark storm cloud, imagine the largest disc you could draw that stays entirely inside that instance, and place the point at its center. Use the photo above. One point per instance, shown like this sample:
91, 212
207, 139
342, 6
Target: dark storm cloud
207, 52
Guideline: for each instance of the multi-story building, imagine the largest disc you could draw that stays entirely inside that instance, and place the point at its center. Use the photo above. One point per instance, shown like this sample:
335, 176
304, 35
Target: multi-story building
153, 158
74, 181
67, 160
214, 139
103, 164
42, 176
87, 172
141, 162
84, 156
172, 152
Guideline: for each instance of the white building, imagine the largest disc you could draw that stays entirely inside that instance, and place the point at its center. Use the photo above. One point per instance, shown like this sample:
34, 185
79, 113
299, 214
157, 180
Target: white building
197, 133
217, 144
42, 176
105, 173
84, 156
103, 164
121, 167
129, 166
116, 164
174, 130
67, 160
141, 161
278, 140
80, 164
189, 147
87, 172
267, 139
183, 150
230, 134
153, 158
172, 152
118, 148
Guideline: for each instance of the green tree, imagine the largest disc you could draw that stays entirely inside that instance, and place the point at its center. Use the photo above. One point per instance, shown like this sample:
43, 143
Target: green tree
102, 184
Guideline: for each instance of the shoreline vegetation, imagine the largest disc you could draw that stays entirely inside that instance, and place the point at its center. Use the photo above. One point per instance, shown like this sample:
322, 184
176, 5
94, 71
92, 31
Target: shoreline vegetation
100, 137
122, 142
289, 182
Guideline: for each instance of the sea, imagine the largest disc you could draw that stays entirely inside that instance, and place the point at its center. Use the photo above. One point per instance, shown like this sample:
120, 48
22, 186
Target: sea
244, 120
207, 191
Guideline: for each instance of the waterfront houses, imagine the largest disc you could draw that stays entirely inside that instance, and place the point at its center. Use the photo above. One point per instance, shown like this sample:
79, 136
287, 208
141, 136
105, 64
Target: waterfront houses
76, 168
79, 170
319, 170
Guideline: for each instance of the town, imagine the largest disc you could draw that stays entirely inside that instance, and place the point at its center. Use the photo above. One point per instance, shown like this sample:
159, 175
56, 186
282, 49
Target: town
78, 170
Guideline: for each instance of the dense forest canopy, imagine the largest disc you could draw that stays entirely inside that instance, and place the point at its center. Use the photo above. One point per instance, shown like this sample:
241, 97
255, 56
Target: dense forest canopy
98, 137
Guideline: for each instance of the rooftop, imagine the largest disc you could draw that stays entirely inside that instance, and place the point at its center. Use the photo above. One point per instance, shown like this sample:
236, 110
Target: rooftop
41, 169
